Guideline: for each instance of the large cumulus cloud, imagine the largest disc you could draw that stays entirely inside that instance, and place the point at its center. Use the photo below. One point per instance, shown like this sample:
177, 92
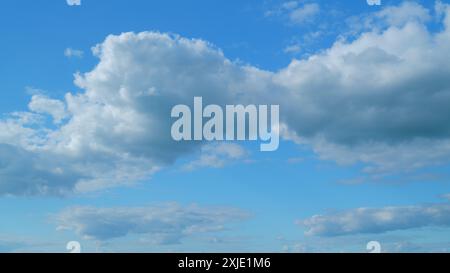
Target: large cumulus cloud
381, 99
117, 131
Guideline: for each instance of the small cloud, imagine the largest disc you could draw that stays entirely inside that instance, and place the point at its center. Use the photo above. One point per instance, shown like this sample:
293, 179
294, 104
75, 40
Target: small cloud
73, 2
70, 52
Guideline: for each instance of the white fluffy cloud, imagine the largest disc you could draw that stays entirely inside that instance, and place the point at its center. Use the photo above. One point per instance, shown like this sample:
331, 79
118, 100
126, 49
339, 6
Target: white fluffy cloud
371, 220
163, 224
367, 100
118, 131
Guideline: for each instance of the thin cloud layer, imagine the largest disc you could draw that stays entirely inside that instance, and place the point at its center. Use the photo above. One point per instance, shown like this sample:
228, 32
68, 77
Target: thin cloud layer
163, 224
372, 220
369, 100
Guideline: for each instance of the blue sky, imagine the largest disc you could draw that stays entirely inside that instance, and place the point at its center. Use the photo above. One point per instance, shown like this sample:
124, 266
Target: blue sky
85, 156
